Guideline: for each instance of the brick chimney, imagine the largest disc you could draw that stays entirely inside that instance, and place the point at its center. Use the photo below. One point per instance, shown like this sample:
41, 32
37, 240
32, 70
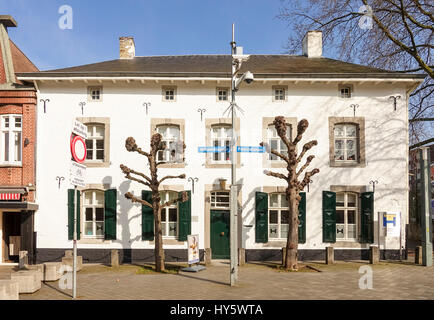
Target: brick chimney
127, 49
312, 44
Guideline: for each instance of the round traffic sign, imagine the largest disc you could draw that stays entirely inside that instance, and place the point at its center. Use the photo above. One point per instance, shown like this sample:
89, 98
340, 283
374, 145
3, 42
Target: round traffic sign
78, 149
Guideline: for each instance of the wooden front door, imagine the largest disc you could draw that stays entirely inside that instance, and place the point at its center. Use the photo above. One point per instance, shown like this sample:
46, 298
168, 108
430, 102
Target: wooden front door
220, 236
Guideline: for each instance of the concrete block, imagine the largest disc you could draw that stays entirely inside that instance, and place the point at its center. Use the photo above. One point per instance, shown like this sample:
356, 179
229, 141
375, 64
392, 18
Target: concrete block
114, 258
23, 260
283, 255
374, 254
241, 256
69, 261
28, 280
52, 271
69, 253
39, 268
208, 255
330, 255
9, 290
418, 255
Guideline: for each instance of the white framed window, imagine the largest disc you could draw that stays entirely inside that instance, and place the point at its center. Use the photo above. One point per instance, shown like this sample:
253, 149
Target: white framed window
345, 143
222, 94
94, 94
346, 215
220, 200
169, 93
169, 215
221, 138
279, 94
95, 142
345, 92
93, 207
275, 143
11, 139
278, 216
171, 135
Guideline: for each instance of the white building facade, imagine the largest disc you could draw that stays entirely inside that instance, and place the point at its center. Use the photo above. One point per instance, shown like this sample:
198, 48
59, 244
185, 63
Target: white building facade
185, 98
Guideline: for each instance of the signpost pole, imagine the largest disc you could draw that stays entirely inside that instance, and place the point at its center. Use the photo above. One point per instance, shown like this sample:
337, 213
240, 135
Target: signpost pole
74, 274
425, 214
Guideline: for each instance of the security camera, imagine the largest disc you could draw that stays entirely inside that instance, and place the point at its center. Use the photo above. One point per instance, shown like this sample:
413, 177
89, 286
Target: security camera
248, 77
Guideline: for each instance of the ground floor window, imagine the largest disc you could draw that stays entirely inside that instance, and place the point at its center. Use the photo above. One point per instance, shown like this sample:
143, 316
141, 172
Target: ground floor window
93, 214
278, 216
169, 215
346, 215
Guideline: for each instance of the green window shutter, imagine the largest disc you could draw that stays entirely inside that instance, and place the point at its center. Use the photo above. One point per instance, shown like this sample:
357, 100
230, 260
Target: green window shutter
184, 218
261, 216
328, 216
71, 214
367, 218
110, 214
302, 218
147, 217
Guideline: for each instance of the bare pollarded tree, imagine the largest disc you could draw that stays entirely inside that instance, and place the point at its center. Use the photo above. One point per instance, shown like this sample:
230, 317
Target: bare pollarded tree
295, 186
152, 183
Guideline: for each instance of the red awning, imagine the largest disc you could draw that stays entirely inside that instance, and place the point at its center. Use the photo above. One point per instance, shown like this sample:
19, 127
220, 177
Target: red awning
10, 196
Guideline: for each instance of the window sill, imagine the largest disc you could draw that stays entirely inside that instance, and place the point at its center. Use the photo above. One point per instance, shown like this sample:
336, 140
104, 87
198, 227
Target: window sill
220, 165
93, 241
170, 241
5, 165
172, 165
347, 165
104, 164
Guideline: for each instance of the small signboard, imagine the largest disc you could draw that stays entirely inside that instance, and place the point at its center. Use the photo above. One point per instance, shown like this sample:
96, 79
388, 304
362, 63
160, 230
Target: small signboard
77, 174
251, 149
212, 149
193, 248
392, 223
79, 129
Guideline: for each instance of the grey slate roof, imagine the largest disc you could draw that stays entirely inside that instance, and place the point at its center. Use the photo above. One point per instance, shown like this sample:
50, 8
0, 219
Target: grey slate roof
263, 66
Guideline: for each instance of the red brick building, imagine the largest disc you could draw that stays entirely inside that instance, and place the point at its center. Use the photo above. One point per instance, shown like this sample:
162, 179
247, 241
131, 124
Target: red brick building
18, 103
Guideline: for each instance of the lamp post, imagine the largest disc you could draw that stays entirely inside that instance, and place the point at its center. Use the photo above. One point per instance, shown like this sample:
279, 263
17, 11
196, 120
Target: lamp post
237, 58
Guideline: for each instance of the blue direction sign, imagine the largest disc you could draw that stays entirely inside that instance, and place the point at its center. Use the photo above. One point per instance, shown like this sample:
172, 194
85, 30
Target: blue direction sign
251, 149
212, 149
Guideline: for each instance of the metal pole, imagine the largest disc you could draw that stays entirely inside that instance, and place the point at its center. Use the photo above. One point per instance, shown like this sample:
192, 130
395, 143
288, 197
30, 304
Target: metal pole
425, 214
74, 274
233, 193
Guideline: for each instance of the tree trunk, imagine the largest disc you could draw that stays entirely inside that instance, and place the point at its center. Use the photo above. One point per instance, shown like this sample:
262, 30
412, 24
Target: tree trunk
292, 242
159, 251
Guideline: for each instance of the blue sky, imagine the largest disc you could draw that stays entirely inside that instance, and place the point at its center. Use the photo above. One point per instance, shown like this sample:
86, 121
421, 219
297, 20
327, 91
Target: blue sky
159, 27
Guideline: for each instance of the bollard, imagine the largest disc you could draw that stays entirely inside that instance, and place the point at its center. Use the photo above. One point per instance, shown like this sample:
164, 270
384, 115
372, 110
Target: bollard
418, 255
283, 255
241, 256
114, 262
330, 255
374, 255
23, 260
208, 256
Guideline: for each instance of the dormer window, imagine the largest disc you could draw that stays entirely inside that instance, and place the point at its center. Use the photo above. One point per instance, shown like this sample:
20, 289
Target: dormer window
169, 94
345, 91
222, 94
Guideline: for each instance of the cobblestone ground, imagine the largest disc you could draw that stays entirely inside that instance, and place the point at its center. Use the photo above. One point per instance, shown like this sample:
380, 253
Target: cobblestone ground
391, 280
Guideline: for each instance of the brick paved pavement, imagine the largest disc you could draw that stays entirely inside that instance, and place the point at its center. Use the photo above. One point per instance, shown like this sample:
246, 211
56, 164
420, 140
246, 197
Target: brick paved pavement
257, 281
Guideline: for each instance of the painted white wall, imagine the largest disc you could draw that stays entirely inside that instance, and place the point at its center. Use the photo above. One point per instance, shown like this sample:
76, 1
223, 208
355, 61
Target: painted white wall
385, 140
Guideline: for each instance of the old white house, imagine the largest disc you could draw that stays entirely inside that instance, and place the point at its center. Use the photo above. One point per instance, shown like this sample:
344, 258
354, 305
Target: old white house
185, 98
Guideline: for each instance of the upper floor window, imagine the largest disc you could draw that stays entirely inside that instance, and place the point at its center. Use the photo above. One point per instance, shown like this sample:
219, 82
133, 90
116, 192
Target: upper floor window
171, 135
95, 142
11, 139
93, 206
222, 94
345, 91
345, 138
169, 93
220, 200
278, 215
346, 216
95, 94
279, 93
221, 138
169, 215
276, 143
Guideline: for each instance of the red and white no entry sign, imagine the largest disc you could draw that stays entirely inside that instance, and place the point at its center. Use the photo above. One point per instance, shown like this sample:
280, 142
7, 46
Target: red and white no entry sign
78, 149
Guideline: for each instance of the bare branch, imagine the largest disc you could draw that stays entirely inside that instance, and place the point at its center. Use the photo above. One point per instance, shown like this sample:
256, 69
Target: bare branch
130, 196
280, 125
308, 161
275, 174
301, 128
306, 179
306, 148
182, 198
131, 146
181, 176
127, 171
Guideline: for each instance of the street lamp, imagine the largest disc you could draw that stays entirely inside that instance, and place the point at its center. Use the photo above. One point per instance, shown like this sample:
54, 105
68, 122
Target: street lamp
237, 59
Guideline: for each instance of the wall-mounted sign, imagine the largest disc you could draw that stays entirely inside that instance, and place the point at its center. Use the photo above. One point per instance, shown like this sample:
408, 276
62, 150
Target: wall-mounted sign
193, 248
79, 129
78, 149
392, 223
77, 174
251, 149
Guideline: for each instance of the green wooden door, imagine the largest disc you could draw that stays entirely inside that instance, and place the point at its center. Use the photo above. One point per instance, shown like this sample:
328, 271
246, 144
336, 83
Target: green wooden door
220, 234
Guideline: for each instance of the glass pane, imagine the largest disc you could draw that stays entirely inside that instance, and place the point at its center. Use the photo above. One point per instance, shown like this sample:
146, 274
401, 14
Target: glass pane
17, 122
351, 198
88, 228
351, 230
99, 131
162, 130
99, 198
17, 146
88, 198
340, 216
89, 144
351, 216
174, 132
339, 131
351, 131
216, 132
89, 155
272, 133
274, 200
351, 144
100, 154
6, 122
339, 154
99, 214
274, 144
283, 145
351, 154
100, 144
99, 228
172, 229
88, 214
284, 231
273, 231
173, 214
273, 216
284, 216
283, 202
6, 144
339, 144
340, 231
340, 200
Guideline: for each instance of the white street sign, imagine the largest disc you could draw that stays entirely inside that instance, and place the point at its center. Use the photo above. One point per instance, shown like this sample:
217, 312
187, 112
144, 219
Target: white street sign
79, 129
77, 174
